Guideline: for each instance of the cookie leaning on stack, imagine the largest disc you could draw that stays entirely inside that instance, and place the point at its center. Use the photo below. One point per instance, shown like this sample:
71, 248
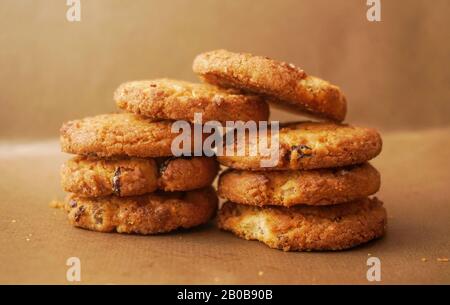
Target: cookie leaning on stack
125, 177
316, 195
285, 84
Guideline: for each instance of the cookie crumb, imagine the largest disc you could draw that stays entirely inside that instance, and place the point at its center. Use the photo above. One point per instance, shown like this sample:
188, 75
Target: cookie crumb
27, 239
423, 259
442, 259
13, 221
260, 273
56, 204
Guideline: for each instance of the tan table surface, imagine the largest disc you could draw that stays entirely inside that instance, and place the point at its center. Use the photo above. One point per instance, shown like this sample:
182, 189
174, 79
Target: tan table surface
37, 240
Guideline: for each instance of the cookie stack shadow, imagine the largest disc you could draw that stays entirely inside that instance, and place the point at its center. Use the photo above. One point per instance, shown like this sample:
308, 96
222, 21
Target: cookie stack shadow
315, 196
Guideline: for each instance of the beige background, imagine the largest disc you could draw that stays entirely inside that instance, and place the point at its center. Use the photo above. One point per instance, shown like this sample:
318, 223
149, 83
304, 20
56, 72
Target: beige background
395, 74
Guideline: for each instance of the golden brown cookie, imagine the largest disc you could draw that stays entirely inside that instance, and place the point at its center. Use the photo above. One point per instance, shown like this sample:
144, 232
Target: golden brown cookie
307, 228
180, 174
95, 177
285, 84
118, 134
180, 100
310, 145
147, 214
288, 188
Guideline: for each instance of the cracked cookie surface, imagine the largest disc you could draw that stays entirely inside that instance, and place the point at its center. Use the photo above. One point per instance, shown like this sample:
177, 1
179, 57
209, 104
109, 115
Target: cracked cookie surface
306, 228
180, 100
96, 177
309, 145
284, 84
118, 135
288, 188
147, 214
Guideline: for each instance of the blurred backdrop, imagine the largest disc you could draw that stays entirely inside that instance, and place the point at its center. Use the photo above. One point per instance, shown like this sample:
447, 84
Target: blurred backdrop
395, 73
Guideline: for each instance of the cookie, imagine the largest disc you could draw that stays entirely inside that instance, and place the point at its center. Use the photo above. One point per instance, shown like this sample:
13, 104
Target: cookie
118, 134
95, 177
307, 228
180, 100
288, 188
310, 145
187, 173
284, 84
147, 214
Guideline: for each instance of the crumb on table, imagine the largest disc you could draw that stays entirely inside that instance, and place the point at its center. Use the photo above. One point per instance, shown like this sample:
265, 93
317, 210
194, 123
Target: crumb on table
56, 204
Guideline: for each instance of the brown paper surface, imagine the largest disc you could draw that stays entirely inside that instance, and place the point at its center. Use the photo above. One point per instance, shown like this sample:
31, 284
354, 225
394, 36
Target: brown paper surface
394, 73
415, 190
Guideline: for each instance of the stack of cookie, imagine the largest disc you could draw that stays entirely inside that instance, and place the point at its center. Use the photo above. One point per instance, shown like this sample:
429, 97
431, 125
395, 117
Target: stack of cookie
126, 176
315, 197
